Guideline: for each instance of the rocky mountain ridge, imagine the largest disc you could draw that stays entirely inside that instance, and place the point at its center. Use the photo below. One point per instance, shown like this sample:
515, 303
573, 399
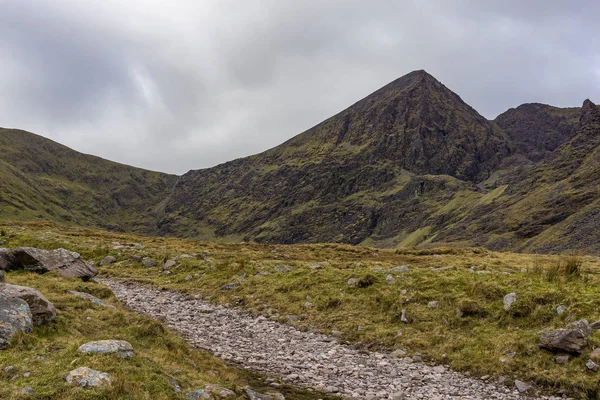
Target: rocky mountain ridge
409, 165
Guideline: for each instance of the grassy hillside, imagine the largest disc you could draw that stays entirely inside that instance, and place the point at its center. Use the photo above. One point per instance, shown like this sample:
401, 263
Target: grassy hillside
468, 329
41, 179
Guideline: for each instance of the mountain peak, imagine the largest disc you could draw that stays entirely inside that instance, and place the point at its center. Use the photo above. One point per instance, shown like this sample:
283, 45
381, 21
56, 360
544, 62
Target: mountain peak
589, 113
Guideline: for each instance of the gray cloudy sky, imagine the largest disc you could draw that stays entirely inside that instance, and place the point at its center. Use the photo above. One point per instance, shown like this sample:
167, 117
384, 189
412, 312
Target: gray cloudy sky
187, 84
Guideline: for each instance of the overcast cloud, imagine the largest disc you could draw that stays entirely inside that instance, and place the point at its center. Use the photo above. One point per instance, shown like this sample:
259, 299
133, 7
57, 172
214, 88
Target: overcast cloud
181, 85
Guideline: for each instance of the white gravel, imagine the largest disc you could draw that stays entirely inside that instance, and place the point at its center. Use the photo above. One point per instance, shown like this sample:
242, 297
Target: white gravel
302, 358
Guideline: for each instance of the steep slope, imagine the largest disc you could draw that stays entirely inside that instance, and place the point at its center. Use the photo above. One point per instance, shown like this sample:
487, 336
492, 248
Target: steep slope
554, 207
41, 179
538, 129
374, 171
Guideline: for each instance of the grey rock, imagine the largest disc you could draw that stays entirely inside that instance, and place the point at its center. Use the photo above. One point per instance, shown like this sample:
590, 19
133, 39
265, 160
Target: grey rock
352, 282
561, 309
93, 299
88, 378
229, 286
571, 341
308, 304
398, 353
316, 266
400, 268
522, 387
174, 384
9, 370
120, 347
583, 325
259, 396
441, 269
139, 246
199, 394
42, 311
15, 316
107, 261
509, 299
562, 359
433, 304
2, 279
7, 260
27, 391
403, 317
168, 265
148, 262
595, 354
220, 392
390, 280
592, 366
66, 263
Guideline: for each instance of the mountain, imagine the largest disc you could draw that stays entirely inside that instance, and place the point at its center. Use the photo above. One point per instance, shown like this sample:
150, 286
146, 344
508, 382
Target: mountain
41, 179
538, 129
555, 206
409, 165
373, 171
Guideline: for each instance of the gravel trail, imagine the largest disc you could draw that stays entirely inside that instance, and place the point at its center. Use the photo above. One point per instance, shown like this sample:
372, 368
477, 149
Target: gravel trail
301, 358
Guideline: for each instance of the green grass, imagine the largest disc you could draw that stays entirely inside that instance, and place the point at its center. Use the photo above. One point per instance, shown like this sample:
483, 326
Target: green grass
470, 330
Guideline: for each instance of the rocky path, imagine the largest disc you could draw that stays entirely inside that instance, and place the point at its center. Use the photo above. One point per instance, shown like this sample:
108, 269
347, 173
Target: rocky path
301, 358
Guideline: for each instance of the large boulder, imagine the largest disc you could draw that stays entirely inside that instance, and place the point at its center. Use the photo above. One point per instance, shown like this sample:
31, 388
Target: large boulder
571, 341
120, 347
65, 262
86, 377
7, 260
15, 316
42, 310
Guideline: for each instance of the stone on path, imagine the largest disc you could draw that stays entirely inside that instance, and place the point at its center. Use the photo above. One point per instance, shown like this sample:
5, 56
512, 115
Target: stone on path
66, 263
42, 311
571, 341
15, 316
88, 378
522, 387
93, 299
120, 347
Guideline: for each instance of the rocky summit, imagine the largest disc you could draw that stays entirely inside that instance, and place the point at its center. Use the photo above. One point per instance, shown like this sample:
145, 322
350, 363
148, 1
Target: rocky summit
409, 165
